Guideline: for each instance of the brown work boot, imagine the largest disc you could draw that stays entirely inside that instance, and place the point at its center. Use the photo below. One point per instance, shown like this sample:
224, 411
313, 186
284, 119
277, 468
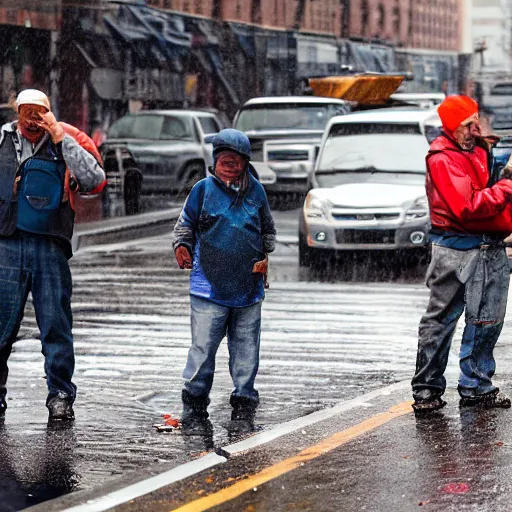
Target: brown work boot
487, 401
429, 405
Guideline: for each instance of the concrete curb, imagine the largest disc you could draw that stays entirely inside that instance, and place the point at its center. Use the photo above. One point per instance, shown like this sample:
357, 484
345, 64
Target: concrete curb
123, 229
123, 495
151, 484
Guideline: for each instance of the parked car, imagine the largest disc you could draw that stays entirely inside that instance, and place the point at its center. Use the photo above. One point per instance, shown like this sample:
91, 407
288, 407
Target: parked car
285, 132
368, 185
156, 152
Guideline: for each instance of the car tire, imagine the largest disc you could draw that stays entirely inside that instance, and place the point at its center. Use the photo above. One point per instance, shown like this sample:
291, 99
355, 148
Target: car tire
192, 173
305, 253
132, 189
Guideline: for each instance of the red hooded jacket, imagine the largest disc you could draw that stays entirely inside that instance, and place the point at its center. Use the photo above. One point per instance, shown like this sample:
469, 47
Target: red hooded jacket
458, 198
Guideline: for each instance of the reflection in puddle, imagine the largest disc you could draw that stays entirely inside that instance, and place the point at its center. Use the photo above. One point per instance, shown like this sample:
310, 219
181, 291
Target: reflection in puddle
36, 466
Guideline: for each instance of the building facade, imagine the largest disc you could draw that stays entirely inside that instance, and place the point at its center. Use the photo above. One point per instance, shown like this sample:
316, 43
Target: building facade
99, 58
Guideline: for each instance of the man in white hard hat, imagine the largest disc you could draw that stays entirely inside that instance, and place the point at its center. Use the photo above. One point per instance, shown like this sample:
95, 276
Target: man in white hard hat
43, 163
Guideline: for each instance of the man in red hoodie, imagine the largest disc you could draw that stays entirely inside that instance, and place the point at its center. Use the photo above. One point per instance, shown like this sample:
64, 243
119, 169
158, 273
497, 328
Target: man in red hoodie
469, 268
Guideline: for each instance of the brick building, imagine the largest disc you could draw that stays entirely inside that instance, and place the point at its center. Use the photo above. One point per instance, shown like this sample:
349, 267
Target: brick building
386, 20
318, 16
427, 24
435, 24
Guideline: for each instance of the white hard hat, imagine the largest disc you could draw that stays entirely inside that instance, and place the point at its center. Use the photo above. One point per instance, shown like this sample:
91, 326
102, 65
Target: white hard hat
32, 97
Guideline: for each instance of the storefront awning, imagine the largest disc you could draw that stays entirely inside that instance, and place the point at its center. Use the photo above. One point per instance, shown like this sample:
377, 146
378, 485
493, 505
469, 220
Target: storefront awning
245, 37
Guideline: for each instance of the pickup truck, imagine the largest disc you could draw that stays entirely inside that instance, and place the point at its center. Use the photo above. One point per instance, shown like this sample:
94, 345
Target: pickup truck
285, 133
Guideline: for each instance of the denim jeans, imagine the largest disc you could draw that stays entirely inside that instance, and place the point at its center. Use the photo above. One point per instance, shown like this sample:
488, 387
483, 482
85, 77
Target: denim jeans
38, 264
476, 281
210, 322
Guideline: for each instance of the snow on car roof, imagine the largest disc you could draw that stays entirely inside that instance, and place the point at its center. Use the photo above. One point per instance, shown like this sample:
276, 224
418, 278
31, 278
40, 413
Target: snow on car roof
278, 100
387, 115
176, 112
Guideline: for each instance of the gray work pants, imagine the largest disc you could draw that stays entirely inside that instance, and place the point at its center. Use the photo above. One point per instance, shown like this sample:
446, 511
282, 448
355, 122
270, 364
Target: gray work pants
476, 281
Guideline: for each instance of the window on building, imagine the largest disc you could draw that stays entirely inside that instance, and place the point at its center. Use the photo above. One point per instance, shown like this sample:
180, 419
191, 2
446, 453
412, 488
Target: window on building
381, 13
256, 11
397, 18
365, 16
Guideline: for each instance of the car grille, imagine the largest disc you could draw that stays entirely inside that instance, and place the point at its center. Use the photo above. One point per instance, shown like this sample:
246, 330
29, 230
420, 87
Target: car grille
257, 150
287, 155
366, 216
365, 236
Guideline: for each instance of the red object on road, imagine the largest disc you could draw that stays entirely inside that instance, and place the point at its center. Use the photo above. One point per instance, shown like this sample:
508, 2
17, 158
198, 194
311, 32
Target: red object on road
456, 488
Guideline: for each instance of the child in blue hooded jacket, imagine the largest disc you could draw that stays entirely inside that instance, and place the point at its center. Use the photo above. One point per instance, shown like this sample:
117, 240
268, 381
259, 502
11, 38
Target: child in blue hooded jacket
224, 234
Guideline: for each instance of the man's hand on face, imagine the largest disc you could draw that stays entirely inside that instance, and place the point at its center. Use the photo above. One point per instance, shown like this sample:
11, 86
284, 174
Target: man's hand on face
48, 123
183, 257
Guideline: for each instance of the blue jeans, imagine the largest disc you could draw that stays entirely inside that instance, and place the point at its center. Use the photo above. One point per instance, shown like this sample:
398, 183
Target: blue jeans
38, 264
475, 281
210, 322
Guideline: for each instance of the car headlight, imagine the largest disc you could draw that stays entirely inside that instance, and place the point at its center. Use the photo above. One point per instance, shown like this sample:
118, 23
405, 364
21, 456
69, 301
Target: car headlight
314, 208
418, 209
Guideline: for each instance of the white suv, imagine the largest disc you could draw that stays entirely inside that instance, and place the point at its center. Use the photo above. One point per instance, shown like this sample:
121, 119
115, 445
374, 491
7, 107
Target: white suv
368, 185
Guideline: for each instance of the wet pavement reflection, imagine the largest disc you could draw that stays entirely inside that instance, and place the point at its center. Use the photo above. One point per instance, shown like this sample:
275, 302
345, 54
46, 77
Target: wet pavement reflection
36, 465
324, 340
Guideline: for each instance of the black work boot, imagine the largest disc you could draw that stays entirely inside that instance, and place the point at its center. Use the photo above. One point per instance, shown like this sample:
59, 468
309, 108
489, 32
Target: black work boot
494, 399
60, 408
244, 409
194, 418
421, 407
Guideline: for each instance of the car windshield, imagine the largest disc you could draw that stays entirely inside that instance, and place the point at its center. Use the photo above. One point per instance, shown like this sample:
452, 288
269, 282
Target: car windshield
288, 117
151, 127
371, 154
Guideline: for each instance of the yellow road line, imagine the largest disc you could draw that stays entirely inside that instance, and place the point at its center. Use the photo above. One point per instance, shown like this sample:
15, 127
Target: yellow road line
287, 465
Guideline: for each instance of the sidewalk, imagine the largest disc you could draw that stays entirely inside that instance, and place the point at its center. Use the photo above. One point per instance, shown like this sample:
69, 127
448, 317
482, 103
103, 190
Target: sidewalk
121, 229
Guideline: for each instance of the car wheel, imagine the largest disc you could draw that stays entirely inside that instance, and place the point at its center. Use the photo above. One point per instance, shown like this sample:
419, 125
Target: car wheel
305, 255
191, 175
132, 186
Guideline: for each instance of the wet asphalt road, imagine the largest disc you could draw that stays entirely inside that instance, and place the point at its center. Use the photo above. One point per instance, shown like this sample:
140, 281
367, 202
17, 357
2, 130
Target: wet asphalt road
376, 457
324, 340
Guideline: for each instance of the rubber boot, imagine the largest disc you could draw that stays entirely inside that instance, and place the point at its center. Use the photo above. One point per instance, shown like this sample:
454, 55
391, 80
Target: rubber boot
244, 409
194, 418
60, 408
493, 399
